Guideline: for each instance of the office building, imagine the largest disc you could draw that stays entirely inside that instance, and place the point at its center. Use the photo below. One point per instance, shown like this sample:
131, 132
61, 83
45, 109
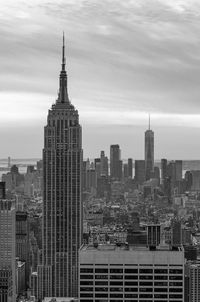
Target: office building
115, 162
2, 190
130, 168
126, 273
163, 170
62, 211
103, 187
91, 180
22, 240
171, 171
153, 235
125, 171
149, 152
84, 173
21, 277
33, 284
97, 167
188, 180
7, 251
103, 164
139, 171
176, 233
179, 169
174, 170
194, 282
195, 180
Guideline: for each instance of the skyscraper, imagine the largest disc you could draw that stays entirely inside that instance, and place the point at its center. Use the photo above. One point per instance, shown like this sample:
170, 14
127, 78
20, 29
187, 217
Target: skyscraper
139, 171
103, 164
179, 169
115, 162
7, 251
62, 211
149, 152
194, 281
130, 167
163, 170
22, 239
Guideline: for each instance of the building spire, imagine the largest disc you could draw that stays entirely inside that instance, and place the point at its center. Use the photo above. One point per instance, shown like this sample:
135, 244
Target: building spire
63, 53
63, 93
149, 121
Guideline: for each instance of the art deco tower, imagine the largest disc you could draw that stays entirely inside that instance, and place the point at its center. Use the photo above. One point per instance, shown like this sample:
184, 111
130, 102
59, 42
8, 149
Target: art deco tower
62, 211
149, 152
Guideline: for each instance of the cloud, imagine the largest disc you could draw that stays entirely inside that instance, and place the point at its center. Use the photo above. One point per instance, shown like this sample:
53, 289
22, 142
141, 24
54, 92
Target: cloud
124, 59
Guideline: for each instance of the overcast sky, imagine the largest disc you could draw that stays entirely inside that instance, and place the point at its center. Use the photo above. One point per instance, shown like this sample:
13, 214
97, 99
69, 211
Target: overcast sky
125, 59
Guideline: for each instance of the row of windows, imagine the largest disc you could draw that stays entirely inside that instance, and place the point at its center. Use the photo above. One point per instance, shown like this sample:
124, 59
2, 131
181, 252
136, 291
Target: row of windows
118, 295
130, 289
102, 283
132, 271
142, 277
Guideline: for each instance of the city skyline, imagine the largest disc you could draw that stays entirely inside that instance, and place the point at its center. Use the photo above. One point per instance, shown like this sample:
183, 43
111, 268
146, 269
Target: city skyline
137, 58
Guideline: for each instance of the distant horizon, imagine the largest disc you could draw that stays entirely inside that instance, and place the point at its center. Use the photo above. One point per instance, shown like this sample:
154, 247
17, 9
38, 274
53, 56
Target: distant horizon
123, 159
124, 60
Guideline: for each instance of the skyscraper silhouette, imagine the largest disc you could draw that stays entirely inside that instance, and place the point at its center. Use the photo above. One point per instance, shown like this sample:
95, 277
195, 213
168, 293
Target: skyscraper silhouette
62, 210
115, 162
149, 152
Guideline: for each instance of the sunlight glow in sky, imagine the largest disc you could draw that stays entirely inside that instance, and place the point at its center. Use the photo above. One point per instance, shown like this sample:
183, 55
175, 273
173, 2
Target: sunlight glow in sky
125, 59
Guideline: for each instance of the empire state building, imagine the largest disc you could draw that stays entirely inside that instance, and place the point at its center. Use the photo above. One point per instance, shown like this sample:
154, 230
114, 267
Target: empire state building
62, 208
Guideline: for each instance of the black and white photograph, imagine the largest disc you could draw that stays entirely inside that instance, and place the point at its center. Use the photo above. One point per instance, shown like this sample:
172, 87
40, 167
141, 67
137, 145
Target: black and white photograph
100, 151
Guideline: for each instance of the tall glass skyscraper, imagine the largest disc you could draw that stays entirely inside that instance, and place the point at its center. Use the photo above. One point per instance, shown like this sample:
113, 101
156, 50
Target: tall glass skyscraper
62, 208
149, 152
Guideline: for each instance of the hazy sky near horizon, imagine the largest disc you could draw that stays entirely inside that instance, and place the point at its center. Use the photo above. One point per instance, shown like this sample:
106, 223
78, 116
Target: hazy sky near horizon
125, 59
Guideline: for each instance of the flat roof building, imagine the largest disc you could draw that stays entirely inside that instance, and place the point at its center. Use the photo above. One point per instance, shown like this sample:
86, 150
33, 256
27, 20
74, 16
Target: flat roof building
130, 273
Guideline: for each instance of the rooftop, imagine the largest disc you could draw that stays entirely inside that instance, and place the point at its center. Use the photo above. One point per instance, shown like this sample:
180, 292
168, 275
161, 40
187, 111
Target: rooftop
124, 247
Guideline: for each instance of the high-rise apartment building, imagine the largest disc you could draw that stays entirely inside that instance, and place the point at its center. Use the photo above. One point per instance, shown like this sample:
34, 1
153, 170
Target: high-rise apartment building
62, 211
115, 162
7, 251
130, 274
149, 152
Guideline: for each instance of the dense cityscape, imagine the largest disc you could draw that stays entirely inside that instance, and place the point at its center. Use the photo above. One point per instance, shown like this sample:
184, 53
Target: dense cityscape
102, 229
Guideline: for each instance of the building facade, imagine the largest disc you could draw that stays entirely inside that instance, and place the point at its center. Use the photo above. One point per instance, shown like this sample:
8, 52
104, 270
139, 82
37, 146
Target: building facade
139, 171
62, 210
111, 273
130, 167
7, 251
194, 282
115, 162
22, 240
